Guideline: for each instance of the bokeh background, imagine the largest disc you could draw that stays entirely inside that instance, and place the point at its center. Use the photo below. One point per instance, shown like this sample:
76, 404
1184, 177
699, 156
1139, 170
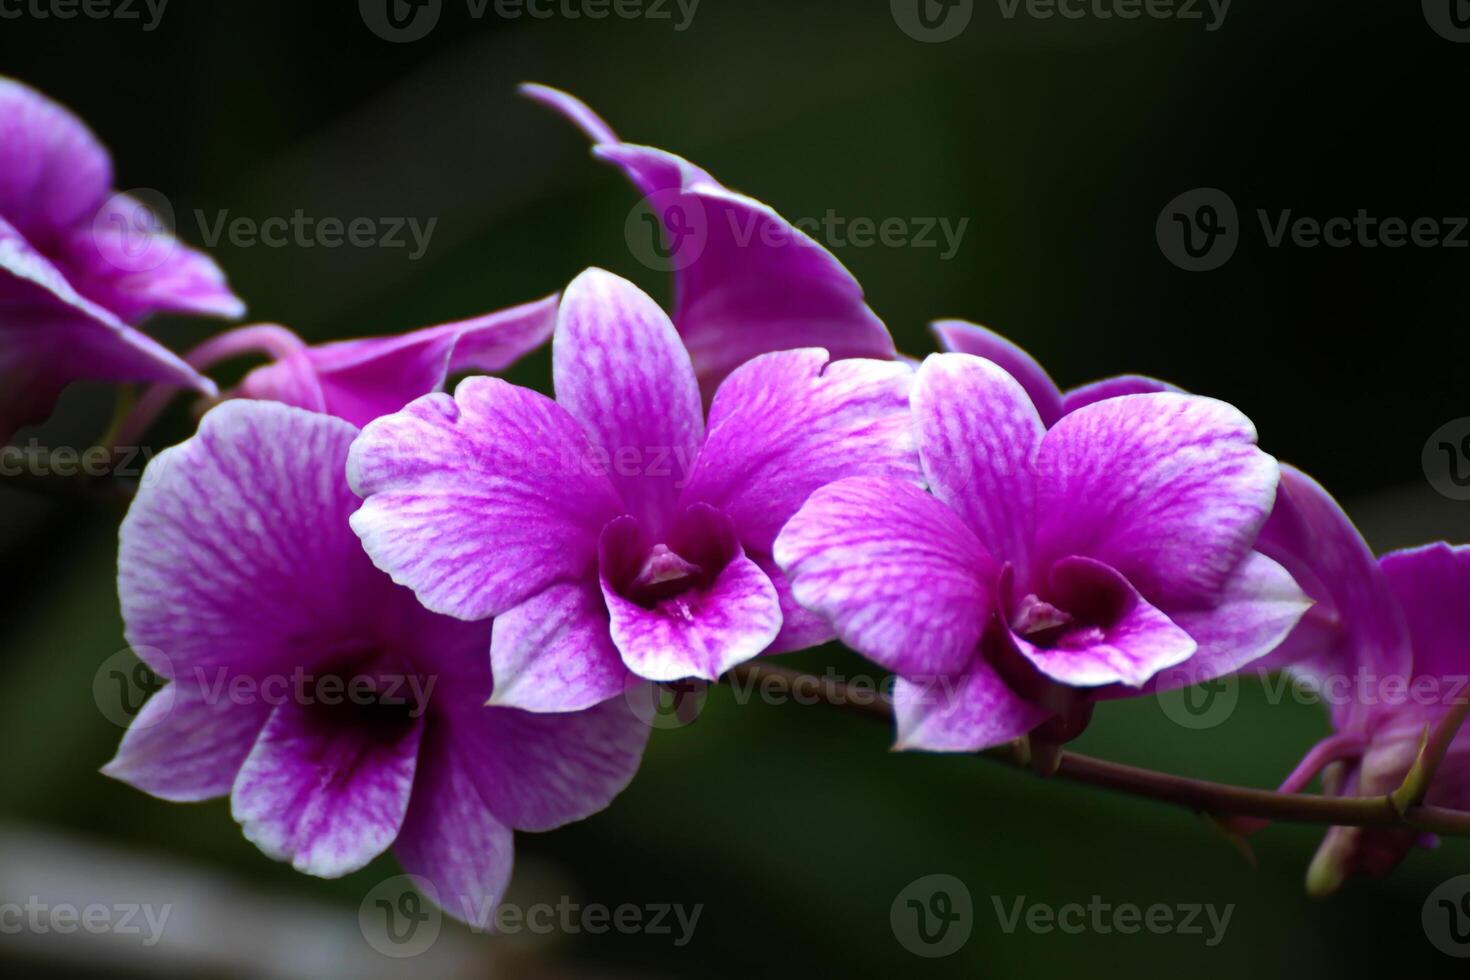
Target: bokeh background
1059, 141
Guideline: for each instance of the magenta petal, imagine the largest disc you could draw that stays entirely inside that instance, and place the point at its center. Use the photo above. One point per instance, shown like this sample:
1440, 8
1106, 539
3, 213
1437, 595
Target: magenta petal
323, 793
362, 380
124, 259
964, 712
1259, 608
899, 575
53, 171
1126, 384
1125, 641
542, 771
960, 337
1432, 584
554, 652
1168, 489
50, 336
786, 424
700, 632
235, 557
451, 839
479, 501
188, 743
621, 370
747, 281
978, 437
1357, 627
801, 628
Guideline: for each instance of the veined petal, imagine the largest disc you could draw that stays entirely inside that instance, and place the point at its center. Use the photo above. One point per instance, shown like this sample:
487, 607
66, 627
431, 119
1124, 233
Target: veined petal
788, 423
479, 501
899, 575
188, 743
747, 281
961, 337
1123, 640
542, 771
235, 557
1259, 608
621, 370
554, 652
962, 712
1168, 489
325, 794
451, 839
801, 629
978, 438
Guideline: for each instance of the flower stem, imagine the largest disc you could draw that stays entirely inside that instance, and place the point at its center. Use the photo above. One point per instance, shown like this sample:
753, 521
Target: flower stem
1202, 796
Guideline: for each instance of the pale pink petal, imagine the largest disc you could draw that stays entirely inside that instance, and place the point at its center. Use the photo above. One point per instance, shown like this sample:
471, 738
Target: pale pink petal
978, 438
554, 652
188, 743
451, 839
899, 575
786, 424
964, 712
235, 557
622, 372
960, 337
324, 793
1168, 489
479, 501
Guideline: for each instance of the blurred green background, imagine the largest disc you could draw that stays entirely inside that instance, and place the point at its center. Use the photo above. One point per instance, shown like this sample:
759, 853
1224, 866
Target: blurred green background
1060, 141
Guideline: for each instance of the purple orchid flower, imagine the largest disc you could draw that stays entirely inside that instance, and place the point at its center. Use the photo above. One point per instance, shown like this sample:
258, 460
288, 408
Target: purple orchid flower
746, 281
1049, 568
80, 267
963, 337
360, 380
1383, 648
339, 715
614, 533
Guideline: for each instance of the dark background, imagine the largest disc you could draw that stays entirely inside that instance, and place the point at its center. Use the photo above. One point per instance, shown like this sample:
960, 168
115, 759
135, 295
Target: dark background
1061, 141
